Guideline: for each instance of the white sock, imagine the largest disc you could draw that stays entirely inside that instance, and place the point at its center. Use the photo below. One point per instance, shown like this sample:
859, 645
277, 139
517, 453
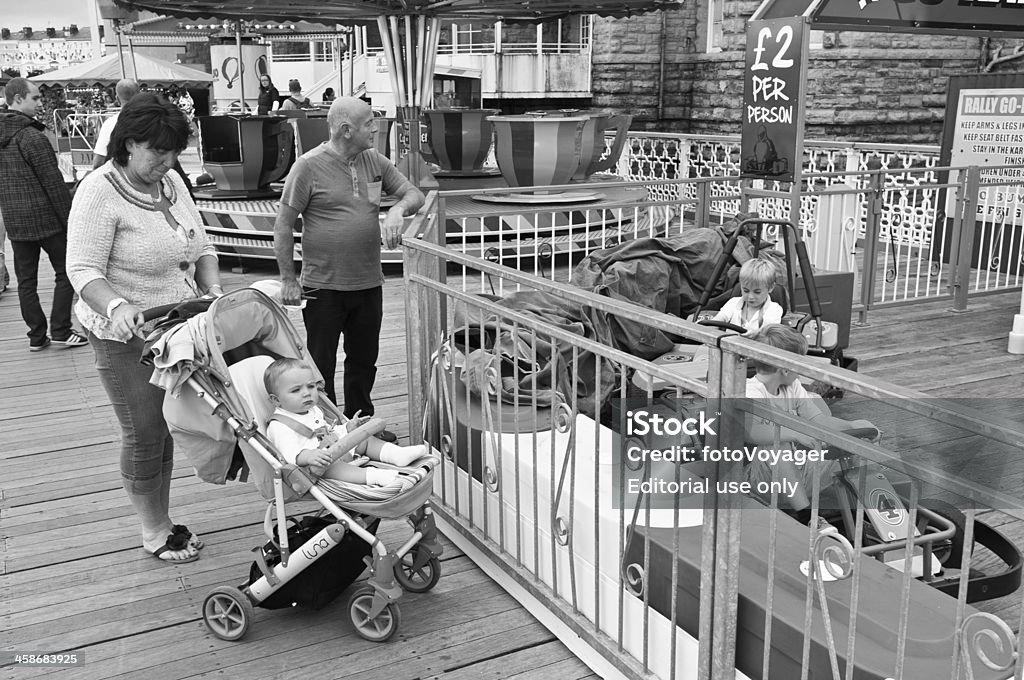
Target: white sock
393, 454
379, 477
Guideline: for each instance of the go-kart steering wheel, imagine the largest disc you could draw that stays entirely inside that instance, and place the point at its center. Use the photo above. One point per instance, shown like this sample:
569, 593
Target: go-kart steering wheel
725, 325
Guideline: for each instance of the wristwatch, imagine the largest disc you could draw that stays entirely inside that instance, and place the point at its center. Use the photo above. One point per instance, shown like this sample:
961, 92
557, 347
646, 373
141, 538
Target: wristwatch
114, 304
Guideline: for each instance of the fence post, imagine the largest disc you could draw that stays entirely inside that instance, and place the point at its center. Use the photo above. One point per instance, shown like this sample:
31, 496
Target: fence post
963, 247
872, 227
683, 148
719, 586
423, 319
702, 216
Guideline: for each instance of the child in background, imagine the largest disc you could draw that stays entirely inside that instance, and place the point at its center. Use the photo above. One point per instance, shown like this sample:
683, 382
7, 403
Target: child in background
752, 309
299, 430
782, 389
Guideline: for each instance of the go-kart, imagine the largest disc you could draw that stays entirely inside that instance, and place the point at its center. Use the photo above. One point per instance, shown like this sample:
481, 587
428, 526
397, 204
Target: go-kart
937, 534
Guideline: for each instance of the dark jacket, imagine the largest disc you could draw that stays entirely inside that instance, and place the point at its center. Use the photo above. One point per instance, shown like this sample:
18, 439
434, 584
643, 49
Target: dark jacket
33, 196
266, 100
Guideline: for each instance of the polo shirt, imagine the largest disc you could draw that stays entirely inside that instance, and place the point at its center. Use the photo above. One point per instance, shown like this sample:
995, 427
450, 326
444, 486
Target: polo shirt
340, 207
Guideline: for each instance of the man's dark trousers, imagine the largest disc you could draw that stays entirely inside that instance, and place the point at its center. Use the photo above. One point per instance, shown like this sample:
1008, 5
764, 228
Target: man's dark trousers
26, 269
357, 315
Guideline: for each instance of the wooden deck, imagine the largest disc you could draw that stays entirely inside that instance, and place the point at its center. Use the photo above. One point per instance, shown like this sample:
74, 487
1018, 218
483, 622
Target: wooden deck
73, 576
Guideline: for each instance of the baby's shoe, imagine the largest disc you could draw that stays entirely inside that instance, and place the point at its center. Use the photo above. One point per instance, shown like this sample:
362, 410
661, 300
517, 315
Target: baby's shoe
379, 477
402, 456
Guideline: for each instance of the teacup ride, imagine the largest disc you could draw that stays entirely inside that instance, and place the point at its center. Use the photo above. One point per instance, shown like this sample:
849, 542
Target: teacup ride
542, 149
460, 141
548, 200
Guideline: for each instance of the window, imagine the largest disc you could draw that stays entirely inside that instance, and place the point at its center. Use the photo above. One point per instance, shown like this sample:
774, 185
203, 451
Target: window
716, 14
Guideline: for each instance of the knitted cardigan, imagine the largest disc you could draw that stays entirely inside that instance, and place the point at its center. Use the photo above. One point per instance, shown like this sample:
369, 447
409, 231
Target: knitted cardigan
116, 233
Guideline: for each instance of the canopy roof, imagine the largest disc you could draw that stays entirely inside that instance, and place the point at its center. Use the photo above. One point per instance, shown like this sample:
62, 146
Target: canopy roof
344, 11
1002, 19
107, 70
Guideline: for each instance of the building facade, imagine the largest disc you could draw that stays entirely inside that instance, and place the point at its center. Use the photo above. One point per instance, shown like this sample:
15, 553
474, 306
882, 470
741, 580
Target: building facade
686, 75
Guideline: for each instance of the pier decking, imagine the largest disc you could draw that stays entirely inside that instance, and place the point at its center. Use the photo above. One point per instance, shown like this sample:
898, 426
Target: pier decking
73, 577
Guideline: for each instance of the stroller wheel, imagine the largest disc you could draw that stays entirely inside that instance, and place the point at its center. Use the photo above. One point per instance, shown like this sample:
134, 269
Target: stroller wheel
416, 574
379, 628
228, 613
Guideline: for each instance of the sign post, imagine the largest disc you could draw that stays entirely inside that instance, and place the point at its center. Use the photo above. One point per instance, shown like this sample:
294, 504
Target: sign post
774, 83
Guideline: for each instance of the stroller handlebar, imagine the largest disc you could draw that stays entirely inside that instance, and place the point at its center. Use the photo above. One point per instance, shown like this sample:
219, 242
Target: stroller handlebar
163, 310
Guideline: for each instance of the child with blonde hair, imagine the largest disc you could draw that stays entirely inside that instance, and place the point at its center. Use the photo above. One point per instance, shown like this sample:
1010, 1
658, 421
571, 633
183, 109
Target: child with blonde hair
302, 433
752, 309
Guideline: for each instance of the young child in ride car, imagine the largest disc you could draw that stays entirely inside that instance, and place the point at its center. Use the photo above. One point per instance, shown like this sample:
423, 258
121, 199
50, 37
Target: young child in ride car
299, 429
752, 309
782, 389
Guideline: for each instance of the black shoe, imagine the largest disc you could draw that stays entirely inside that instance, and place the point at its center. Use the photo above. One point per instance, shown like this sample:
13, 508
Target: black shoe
387, 436
41, 346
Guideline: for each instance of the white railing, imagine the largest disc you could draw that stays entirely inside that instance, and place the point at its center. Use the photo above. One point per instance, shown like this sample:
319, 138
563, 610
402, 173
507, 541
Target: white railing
514, 48
880, 205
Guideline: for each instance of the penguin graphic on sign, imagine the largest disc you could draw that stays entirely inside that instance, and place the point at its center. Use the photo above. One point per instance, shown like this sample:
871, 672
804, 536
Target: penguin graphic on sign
763, 155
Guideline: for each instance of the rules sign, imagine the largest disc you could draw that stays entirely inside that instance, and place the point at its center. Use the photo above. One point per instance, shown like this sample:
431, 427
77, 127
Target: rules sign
772, 115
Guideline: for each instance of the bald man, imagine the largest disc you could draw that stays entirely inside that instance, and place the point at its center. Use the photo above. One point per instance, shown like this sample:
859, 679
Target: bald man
337, 188
125, 90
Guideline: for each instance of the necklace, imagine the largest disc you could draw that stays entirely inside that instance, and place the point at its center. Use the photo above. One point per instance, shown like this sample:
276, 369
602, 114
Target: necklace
154, 193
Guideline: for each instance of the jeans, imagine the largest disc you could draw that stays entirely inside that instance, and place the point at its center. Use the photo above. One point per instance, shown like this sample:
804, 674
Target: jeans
26, 269
4, 276
147, 449
357, 314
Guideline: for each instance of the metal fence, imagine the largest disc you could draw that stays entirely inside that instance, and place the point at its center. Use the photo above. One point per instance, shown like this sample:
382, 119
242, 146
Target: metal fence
885, 211
904, 234
524, 385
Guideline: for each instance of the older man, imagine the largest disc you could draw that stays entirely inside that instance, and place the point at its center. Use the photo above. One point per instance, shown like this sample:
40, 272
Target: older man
125, 89
35, 203
337, 188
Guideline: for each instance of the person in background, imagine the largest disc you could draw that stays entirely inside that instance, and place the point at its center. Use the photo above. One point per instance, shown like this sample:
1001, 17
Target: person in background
34, 201
136, 241
125, 89
337, 188
269, 97
295, 100
329, 95
752, 309
5, 277
781, 389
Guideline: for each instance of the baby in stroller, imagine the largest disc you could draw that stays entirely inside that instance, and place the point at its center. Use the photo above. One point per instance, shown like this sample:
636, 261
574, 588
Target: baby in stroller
305, 436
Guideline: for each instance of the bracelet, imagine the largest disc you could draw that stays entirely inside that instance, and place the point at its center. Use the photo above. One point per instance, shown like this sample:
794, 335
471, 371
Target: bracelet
114, 304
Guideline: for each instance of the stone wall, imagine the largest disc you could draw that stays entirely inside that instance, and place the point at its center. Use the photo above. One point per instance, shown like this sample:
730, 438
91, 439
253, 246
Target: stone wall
883, 87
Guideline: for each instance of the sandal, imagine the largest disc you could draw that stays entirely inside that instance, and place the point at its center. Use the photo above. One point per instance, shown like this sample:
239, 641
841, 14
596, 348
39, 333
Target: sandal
193, 540
176, 542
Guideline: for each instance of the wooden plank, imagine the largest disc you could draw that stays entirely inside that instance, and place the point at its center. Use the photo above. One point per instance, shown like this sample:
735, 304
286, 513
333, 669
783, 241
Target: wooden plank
486, 643
521, 662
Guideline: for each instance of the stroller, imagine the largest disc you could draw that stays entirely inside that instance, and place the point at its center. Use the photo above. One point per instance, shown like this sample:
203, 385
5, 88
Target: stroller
211, 357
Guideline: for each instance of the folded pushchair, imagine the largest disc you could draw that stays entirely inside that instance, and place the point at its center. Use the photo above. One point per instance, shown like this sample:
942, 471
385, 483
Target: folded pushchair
212, 363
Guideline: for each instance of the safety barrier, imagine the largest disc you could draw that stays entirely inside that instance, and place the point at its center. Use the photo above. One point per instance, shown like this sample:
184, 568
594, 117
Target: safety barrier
526, 385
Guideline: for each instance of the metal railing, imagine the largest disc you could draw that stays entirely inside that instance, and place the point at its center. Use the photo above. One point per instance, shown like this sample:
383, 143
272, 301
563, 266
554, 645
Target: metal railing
525, 391
902, 233
76, 136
